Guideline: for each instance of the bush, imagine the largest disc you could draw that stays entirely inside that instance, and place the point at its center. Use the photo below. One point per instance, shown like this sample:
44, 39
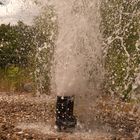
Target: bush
120, 29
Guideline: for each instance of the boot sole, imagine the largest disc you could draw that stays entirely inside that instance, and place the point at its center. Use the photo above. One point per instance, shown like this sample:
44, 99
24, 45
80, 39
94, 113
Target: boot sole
65, 129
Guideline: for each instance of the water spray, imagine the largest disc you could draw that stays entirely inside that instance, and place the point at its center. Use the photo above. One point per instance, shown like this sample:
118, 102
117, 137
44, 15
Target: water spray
4, 2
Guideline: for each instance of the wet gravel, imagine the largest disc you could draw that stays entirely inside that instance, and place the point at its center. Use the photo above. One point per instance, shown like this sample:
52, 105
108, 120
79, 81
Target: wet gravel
27, 109
122, 117
15, 109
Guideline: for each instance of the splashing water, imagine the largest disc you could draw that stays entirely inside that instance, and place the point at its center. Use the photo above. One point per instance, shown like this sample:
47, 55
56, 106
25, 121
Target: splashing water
78, 54
77, 67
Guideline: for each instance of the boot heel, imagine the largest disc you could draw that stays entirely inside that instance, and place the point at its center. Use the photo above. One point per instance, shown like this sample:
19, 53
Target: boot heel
61, 128
58, 129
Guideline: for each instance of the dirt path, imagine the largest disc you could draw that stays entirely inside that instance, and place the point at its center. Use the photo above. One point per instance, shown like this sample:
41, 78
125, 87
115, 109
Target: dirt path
24, 117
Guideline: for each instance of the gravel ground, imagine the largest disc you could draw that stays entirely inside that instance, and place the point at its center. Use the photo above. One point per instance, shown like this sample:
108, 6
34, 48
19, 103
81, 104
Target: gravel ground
25, 117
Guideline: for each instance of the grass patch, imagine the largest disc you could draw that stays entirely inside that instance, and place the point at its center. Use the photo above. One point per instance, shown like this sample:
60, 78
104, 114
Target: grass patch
13, 78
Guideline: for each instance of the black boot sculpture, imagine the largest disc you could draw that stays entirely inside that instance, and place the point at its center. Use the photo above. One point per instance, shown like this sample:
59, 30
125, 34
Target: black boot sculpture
64, 113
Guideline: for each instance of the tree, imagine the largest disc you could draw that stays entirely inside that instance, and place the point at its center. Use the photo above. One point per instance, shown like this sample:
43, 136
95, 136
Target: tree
16, 44
16, 54
120, 28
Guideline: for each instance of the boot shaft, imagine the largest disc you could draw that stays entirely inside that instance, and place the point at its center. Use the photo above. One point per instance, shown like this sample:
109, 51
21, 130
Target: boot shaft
64, 105
61, 107
64, 111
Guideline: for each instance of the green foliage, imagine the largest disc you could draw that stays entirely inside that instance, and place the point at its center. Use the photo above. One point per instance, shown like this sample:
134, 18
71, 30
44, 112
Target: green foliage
12, 72
16, 55
13, 78
27, 51
16, 44
120, 29
46, 28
